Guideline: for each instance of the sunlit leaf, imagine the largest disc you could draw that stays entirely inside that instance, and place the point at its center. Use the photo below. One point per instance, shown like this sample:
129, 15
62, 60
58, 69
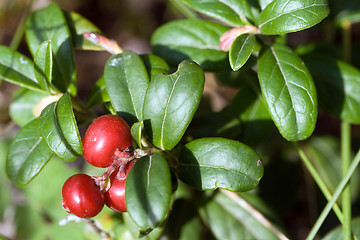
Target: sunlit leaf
49, 24
28, 153
171, 102
289, 92
210, 163
282, 16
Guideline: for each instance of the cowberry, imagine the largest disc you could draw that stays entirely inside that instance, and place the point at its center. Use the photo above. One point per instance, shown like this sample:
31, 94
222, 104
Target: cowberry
82, 197
115, 196
106, 138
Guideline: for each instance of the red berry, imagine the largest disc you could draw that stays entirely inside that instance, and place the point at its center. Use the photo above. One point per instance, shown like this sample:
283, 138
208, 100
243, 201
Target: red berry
82, 197
115, 196
105, 136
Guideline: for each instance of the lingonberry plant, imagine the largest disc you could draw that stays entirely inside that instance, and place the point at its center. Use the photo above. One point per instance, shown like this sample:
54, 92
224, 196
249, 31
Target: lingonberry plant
163, 164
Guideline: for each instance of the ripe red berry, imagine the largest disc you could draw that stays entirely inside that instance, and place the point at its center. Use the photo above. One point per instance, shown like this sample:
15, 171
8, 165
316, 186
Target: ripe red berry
105, 136
82, 197
115, 196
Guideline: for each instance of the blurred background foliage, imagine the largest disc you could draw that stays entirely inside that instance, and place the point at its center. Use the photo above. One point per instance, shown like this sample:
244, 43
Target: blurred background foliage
34, 212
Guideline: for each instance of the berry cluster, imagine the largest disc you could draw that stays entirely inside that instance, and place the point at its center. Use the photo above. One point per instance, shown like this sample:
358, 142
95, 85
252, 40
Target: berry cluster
107, 144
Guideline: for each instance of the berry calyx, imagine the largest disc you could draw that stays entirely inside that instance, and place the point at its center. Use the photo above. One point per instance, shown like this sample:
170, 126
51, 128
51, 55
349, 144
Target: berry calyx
115, 195
82, 197
107, 138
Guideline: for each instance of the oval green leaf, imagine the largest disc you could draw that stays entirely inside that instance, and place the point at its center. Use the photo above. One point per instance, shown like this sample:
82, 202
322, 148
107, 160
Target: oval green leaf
289, 92
225, 210
17, 69
338, 86
171, 102
241, 50
49, 24
210, 163
193, 39
28, 154
126, 81
148, 192
282, 16
22, 105
43, 63
58, 127
231, 12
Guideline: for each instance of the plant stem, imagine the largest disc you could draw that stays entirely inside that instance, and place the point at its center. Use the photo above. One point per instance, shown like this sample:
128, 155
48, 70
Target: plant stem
334, 198
318, 180
346, 143
346, 195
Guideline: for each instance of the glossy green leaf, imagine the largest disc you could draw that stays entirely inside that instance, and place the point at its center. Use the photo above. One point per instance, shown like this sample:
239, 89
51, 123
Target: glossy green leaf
235, 218
249, 106
43, 64
28, 153
148, 192
241, 50
214, 124
17, 68
193, 39
126, 81
78, 25
282, 16
338, 86
154, 65
22, 105
289, 92
171, 102
337, 233
49, 24
210, 163
137, 132
58, 127
98, 94
232, 12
